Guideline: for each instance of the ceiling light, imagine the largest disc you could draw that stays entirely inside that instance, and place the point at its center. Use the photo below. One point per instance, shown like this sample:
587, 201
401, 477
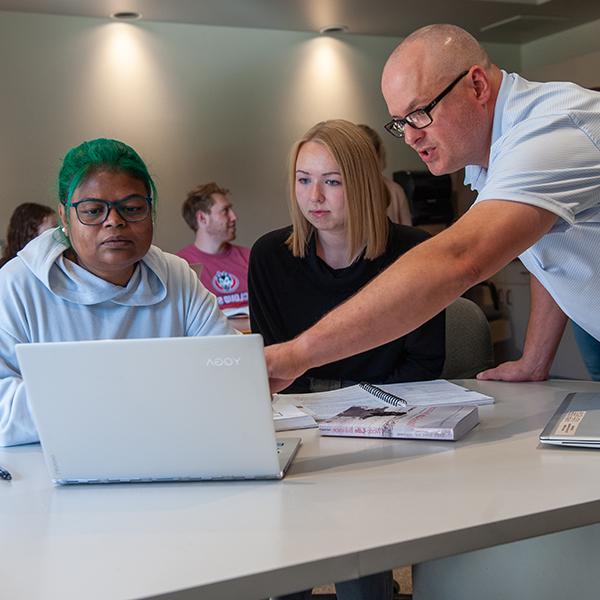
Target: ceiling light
333, 29
126, 15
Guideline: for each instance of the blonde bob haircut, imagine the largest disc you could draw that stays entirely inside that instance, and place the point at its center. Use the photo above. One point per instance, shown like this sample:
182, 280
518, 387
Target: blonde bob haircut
364, 187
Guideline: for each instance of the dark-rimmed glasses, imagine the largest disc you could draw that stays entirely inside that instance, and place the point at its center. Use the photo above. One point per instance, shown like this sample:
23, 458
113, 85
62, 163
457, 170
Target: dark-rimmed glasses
94, 211
420, 117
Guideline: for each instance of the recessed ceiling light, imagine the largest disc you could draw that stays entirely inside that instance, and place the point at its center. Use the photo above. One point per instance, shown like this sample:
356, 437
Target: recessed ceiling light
126, 15
334, 29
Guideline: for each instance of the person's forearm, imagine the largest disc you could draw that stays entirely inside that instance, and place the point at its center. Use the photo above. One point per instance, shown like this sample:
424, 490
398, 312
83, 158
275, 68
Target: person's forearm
16, 422
544, 331
415, 288
403, 293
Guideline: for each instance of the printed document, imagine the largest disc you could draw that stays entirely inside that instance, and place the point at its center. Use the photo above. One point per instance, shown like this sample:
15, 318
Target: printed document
325, 405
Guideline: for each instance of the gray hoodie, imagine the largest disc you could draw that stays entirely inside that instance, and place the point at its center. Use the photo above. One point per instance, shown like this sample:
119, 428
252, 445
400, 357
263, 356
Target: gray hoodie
45, 298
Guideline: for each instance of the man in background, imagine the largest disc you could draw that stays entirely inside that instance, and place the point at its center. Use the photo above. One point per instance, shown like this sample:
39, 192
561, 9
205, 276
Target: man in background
221, 265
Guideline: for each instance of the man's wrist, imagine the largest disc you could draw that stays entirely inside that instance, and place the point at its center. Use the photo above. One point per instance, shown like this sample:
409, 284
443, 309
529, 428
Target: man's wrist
538, 366
301, 354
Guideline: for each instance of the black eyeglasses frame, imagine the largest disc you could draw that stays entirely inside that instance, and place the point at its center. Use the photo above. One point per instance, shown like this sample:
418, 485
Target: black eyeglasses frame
396, 126
117, 204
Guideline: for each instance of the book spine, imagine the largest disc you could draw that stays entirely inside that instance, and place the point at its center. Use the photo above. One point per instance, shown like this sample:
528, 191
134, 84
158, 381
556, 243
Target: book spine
352, 430
429, 434
381, 432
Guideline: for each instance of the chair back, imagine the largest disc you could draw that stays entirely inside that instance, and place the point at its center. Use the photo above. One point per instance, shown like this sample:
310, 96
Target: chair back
469, 347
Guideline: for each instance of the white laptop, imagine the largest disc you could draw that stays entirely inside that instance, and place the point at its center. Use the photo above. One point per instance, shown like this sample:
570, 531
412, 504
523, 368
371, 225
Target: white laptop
163, 409
576, 422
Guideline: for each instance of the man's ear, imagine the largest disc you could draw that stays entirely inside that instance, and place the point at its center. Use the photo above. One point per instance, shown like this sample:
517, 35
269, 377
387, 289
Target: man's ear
481, 84
201, 218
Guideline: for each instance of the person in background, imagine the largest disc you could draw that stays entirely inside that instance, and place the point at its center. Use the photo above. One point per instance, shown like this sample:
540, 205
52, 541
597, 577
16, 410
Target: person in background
340, 238
27, 222
224, 271
98, 277
531, 151
398, 209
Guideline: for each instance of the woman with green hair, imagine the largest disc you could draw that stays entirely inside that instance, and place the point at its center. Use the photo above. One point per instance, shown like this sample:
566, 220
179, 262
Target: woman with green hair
98, 277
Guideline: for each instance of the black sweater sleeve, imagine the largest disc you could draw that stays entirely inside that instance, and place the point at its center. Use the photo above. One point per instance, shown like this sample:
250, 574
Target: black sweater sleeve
266, 316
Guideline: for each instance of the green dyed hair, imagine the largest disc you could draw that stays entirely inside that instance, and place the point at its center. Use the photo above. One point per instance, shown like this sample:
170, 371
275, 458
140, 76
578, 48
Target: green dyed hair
101, 155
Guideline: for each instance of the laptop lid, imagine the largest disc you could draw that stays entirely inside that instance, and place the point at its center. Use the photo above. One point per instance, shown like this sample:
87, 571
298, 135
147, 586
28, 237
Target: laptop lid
152, 409
576, 422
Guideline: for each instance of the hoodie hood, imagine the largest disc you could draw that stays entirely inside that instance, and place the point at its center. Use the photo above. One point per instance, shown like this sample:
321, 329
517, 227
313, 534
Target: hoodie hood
44, 257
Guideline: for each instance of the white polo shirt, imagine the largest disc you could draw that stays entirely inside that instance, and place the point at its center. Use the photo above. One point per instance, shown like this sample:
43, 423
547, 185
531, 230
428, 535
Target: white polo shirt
546, 152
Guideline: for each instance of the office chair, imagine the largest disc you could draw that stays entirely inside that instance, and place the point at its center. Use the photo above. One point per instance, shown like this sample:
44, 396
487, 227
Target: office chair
486, 296
469, 347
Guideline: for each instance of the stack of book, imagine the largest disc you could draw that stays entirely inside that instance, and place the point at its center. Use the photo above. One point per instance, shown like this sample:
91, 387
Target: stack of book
428, 423
437, 410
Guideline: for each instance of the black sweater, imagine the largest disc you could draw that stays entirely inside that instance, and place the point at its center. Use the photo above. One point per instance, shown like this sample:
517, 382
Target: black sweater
288, 295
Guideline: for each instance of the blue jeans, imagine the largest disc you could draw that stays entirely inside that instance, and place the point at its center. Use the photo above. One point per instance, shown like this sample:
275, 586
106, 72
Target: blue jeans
370, 587
589, 347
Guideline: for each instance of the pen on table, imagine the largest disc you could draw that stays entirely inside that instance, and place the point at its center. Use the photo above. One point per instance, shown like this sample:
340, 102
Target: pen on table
4, 474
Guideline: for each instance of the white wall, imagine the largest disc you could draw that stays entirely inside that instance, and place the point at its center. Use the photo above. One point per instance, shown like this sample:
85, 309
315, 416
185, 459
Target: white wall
197, 102
573, 55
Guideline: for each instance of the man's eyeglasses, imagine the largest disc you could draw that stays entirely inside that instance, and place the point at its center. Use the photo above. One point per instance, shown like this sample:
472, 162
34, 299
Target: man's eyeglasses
421, 117
93, 211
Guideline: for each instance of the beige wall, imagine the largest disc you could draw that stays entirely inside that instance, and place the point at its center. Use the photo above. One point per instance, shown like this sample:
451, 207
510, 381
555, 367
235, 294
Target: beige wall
573, 55
197, 102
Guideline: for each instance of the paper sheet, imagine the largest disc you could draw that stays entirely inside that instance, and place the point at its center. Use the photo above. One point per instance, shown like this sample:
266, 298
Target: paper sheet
324, 405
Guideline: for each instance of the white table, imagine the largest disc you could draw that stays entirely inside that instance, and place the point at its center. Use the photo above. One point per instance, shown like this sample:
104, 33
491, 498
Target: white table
348, 507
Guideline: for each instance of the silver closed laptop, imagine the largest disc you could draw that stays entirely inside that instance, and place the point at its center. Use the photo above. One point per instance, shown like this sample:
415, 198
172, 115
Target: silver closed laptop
576, 422
163, 409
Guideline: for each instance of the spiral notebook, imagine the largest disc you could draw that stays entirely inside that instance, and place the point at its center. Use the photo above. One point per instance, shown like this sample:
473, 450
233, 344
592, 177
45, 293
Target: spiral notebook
439, 392
384, 396
419, 410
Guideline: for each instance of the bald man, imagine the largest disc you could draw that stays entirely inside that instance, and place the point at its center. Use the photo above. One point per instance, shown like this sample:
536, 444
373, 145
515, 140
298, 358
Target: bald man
531, 151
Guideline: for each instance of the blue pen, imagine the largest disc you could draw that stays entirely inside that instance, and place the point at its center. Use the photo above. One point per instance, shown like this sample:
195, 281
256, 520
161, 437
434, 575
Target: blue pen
4, 474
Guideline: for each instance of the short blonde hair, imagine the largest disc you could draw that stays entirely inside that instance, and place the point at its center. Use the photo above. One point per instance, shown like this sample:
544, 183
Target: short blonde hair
364, 187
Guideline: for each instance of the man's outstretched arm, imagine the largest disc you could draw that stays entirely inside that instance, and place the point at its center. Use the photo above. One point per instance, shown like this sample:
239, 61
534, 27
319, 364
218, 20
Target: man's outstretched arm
544, 331
416, 287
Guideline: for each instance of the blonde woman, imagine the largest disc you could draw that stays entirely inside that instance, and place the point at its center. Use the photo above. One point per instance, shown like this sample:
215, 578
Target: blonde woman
340, 239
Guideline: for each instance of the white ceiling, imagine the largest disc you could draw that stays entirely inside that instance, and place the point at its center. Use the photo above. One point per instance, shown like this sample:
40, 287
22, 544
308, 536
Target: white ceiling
489, 20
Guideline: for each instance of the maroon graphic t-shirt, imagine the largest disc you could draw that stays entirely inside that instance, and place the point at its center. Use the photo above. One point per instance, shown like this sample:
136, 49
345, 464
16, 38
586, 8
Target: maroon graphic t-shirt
224, 274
